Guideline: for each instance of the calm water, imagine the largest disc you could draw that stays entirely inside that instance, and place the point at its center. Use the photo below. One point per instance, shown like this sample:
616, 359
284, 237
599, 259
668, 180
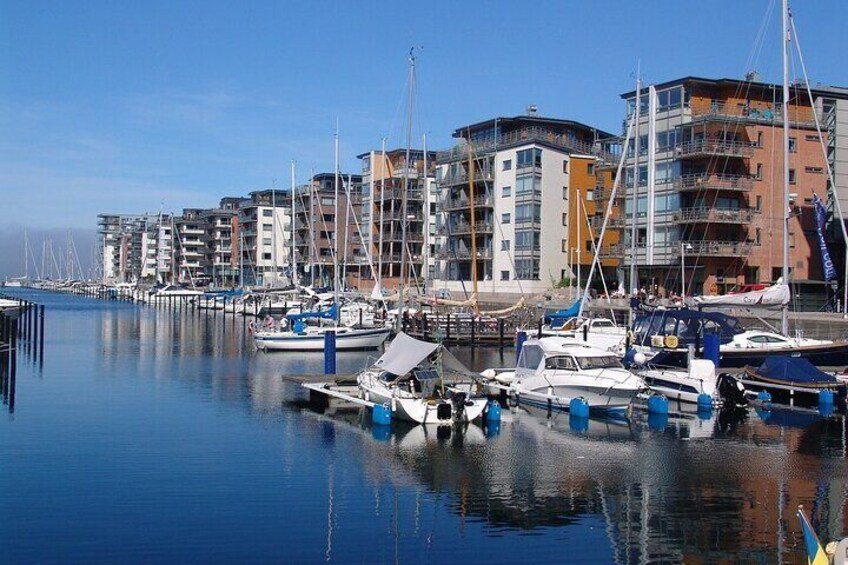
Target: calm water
154, 436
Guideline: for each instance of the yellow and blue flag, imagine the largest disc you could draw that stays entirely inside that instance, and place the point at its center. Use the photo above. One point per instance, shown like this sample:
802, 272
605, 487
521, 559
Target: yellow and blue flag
815, 553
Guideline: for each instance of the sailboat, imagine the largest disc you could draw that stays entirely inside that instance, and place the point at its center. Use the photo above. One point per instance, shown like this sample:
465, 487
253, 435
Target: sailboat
295, 335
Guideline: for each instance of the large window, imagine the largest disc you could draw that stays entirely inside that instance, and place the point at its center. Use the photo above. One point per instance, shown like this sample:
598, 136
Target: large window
527, 269
669, 99
528, 213
528, 184
527, 240
668, 202
529, 158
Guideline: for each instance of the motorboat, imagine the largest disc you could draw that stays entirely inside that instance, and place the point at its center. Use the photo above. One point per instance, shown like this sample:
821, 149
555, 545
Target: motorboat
666, 335
559, 369
687, 385
172, 293
793, 380
603, 333
410, 379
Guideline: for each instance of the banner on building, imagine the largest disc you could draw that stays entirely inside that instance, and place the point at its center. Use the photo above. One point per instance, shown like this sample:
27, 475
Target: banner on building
821, 216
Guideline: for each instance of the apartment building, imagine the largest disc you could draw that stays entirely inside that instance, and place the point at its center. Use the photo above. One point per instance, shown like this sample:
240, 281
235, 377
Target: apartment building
705, 187
386, 178
316, 240
265, 234
508, 203
134, 247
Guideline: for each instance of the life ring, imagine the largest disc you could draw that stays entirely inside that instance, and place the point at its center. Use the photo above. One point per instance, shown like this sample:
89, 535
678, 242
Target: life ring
713, 289
671, 341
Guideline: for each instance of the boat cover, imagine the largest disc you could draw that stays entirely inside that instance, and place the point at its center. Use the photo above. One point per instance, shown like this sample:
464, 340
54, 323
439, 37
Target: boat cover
775, 296
793, 370
570, 312
404, 353
329, 313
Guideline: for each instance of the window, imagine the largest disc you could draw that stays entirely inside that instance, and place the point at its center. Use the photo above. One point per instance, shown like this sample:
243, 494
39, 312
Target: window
791, 176
759, 142
564, 219
528, 212
505, 245
506, 218
759, 174
266, 227
590, 168
791, 240
817, 170
590, 195
759, 203
504, 275
266, 256
528, 184
527, 240
669, 99
757, 237
267, 212
565, 166
527, 269
506, 191
507, 164
328, 201
266, 241
793, 145
564, 246
561, 363
529, 158
565, 193
812, 137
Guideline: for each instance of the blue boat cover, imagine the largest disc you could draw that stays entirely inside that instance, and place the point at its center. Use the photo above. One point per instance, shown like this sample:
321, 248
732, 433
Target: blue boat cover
570, 312
793, 370
329, 313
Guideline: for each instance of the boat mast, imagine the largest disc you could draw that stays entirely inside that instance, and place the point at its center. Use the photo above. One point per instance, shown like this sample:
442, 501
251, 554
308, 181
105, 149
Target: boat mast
425, 269
634, 284
403, 203
312, 254
293, 233
784, 315
336, 223
382, 208
26, 258
579, 241
473, 226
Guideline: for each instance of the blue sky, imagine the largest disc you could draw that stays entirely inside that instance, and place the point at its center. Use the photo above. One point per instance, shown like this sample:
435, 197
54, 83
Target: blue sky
132, 106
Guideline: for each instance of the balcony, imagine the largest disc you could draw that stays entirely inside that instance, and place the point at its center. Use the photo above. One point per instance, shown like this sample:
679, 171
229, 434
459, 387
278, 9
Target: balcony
396, 194
465, 228
604, 193
717, 248
462, 178
713, 216
614, 222
406, 173
463, 254
707, 181
714, 148
185, 230
452, 204
718, 111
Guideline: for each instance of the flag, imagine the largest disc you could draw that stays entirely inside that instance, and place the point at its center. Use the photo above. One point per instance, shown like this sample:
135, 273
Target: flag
815, 553
821, 216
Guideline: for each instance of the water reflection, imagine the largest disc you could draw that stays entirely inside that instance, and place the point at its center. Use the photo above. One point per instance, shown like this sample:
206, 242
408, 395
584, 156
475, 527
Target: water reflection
721, 486
688, 491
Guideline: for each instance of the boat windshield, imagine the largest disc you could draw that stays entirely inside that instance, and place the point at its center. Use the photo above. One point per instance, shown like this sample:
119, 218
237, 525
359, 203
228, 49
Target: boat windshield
606, 362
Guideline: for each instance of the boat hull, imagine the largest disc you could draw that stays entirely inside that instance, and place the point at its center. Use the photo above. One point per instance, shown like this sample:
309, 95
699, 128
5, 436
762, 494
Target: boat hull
314, 341
677, 385
830, 355
602, 398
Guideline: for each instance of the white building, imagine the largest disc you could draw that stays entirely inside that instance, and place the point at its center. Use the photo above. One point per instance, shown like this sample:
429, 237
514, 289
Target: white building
265, 237
525, 172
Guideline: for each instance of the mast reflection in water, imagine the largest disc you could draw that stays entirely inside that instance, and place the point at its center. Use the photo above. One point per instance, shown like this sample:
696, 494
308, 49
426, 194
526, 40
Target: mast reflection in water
150, 434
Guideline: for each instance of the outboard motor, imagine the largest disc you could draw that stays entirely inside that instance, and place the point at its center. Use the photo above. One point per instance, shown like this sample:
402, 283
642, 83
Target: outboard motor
732, 391
458, 401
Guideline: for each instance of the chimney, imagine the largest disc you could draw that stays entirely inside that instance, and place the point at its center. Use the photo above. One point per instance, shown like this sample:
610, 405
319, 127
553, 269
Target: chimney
531, 110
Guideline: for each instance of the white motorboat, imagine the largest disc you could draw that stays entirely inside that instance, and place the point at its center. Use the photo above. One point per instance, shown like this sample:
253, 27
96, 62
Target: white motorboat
411, 382
559, 369
602, 333
173, 293
684, 385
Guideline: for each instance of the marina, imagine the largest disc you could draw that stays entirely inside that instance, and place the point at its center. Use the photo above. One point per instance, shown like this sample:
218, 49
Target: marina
161, 412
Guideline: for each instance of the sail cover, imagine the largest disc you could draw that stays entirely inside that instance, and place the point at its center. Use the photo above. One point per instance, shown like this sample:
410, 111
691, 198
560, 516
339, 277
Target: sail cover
775, 296
793, 370
404, 353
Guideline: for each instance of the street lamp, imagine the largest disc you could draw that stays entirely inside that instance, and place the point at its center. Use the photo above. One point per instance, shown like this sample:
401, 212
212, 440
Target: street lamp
683, 247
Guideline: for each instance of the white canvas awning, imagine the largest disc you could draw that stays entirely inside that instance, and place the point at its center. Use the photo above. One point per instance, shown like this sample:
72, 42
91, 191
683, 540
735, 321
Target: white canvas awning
404, 353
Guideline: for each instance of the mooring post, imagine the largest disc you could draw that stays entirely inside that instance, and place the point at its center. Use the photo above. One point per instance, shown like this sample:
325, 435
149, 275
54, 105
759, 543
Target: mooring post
329, 352
501, 323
